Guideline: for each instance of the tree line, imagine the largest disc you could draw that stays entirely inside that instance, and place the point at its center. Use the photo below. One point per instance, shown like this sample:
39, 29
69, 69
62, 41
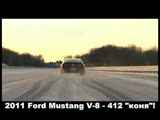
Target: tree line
108, 55
111, 55
13, 58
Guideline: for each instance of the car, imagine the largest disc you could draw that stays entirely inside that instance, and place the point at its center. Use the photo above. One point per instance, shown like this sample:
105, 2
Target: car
73, 65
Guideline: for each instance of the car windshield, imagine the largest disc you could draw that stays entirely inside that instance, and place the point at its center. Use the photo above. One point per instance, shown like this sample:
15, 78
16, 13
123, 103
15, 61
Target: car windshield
73, 64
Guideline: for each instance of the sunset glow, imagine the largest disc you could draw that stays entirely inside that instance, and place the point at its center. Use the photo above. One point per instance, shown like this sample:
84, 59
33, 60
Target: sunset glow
56, 38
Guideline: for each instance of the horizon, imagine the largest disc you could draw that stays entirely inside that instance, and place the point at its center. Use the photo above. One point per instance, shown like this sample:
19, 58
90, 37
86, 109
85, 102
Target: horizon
55, 39
81, 54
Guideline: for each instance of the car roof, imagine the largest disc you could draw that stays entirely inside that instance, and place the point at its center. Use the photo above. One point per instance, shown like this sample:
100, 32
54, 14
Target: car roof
75, 60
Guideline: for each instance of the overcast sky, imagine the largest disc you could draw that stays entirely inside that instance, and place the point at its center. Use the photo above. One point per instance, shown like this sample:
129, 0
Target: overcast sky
56, 38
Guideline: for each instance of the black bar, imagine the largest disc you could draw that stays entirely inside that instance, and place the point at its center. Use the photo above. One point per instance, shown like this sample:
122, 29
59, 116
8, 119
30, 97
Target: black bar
79, 106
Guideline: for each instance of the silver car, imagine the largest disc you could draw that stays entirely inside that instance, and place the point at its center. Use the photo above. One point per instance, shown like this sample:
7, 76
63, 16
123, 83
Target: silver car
73, 66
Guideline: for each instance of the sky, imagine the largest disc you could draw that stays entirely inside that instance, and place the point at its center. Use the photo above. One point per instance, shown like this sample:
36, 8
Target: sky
56, 38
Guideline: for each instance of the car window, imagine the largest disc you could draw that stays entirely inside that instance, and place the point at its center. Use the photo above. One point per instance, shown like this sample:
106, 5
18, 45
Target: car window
72, 64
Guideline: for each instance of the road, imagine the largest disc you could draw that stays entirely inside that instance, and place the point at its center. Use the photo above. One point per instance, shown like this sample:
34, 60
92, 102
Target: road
33, 84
